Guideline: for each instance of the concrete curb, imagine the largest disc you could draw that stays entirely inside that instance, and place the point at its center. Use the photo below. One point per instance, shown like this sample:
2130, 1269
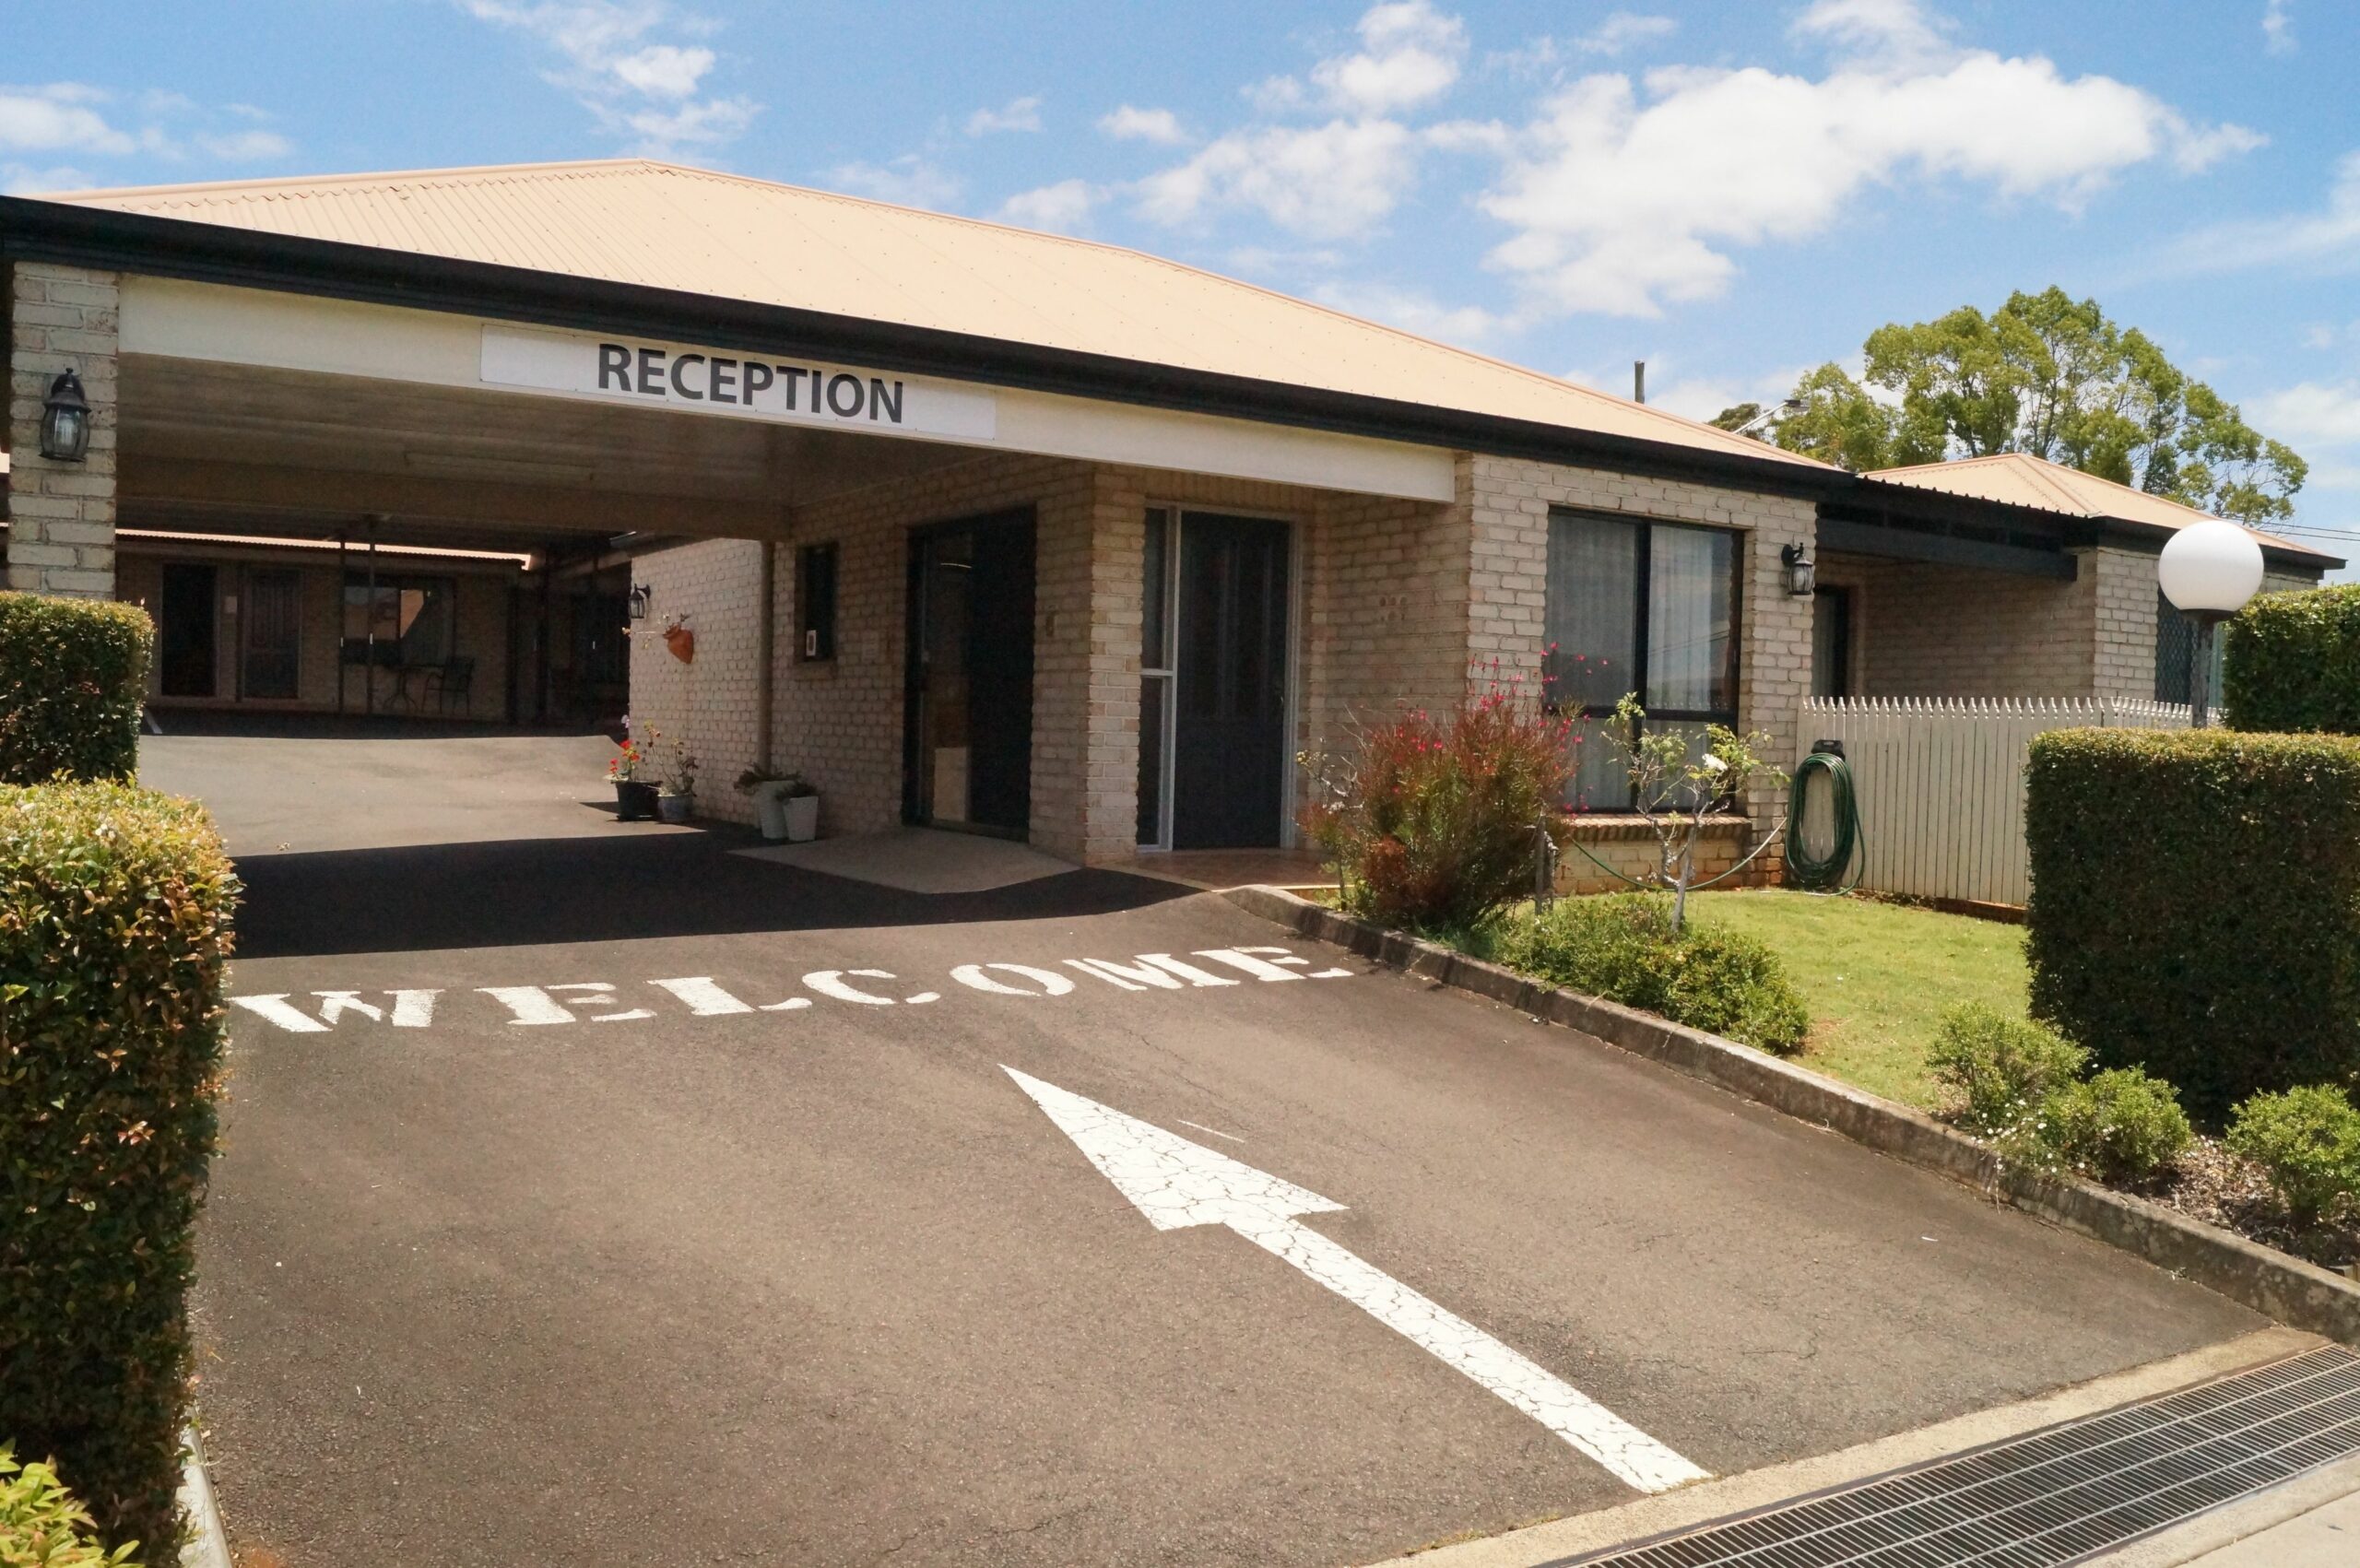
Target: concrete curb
2286, 1288
207, 1545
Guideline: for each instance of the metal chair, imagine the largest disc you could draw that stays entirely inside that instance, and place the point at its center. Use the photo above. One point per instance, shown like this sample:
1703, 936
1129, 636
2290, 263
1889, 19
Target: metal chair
454, 679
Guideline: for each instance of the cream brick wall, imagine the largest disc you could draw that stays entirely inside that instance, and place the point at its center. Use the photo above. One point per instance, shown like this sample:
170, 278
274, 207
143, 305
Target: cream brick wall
61, 515
1510, 502
1920, 630
709, 701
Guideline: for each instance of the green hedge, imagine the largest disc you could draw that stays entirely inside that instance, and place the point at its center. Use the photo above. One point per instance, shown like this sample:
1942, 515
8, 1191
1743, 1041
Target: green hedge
2196, 906
2292, 663
1622, 946
114, 929
73, 674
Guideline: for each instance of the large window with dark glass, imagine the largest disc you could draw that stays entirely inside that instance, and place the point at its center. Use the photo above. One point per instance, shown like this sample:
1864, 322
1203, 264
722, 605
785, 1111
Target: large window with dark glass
399, 620
1646, 607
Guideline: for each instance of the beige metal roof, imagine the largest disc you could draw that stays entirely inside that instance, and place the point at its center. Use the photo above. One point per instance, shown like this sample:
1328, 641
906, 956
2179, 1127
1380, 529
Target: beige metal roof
2018, 478
659, 225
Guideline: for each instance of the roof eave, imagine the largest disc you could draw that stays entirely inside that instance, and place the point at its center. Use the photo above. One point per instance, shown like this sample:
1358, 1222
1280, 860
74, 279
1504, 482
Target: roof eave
2119, 530
196, 250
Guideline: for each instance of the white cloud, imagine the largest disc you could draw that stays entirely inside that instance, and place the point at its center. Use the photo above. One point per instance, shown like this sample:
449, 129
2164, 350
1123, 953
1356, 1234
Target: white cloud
1158, 125
662, 70
2278, 26
1625, 196
631, 82
73, 117
2327, 239
1410, 54
907, 181
57, 118
2322, 413
1326, 181
23, 179
1061, 208
1625, 29
247, 147
1412, 310
1018, 115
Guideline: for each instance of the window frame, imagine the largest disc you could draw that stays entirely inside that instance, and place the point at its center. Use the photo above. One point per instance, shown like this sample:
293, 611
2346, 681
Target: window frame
352, 650
1641, 579
815, 622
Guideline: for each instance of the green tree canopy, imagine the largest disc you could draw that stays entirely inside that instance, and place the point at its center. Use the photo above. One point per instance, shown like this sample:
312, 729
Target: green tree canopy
2052, 376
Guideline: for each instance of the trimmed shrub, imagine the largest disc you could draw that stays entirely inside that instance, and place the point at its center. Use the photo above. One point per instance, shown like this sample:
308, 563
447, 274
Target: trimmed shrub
2292, 663
2307, 1140
1622, 946
114, 930
2196, 906
73, 675
42, 1527
2002, 1068
1432, 822
2119, 1126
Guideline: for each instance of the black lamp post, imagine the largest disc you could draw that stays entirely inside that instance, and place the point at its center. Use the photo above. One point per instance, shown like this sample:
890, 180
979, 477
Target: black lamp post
66, 421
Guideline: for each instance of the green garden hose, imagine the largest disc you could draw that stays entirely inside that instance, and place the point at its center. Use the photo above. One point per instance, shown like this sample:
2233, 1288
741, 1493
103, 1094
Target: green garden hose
1806, 869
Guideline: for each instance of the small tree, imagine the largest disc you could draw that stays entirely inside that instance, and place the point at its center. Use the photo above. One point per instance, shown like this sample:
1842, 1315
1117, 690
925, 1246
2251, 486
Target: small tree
1675, 785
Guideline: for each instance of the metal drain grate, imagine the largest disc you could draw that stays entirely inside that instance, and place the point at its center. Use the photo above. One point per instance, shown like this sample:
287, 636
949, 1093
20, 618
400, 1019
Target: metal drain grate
2054, 1496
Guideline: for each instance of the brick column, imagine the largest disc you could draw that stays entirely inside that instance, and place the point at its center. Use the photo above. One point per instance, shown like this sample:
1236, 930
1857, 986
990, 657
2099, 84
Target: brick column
61, 515
2123, 589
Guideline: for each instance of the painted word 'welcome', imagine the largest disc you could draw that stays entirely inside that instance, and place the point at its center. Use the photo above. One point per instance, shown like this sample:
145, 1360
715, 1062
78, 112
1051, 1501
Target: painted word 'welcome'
600, 1001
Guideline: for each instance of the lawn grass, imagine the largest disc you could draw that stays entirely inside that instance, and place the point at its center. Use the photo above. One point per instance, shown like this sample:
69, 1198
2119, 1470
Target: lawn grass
1878, 977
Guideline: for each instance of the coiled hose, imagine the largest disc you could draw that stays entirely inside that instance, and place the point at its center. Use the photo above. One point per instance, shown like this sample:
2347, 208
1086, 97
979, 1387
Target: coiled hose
1805, 868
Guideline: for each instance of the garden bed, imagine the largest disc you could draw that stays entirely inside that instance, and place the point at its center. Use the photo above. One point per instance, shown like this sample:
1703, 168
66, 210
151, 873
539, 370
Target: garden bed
1877, 978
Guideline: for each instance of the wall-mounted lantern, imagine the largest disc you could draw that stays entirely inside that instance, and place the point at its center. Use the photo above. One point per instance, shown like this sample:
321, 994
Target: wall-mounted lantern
1803, 572
66, 421
641, 596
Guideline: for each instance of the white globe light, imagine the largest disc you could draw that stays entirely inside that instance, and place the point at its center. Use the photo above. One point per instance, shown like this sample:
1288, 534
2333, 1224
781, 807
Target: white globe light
2210, 567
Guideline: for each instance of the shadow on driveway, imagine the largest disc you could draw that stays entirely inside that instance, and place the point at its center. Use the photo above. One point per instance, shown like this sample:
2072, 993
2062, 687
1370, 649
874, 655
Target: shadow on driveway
527, 893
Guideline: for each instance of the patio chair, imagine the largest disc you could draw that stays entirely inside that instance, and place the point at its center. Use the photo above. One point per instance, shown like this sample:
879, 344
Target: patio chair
453, 680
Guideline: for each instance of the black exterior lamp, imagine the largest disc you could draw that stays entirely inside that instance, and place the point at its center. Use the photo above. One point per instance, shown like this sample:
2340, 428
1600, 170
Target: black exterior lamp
1803, 572
66, 421
639, 598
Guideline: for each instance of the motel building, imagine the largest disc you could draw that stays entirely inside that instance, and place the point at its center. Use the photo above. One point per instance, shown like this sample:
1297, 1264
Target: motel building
973, 527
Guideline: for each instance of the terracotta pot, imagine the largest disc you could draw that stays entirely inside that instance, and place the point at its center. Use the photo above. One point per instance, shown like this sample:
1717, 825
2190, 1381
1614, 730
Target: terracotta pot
683, 642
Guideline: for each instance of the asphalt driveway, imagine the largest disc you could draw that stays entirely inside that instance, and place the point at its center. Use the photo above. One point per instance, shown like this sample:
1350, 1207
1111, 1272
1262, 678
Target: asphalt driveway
586, 1194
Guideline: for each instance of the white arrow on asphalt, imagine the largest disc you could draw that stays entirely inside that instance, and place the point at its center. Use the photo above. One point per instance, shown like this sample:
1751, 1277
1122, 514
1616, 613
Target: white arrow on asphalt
1175, 1183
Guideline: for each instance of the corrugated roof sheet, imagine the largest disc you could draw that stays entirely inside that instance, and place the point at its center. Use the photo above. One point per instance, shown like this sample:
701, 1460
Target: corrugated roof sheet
2018, 478
660, 225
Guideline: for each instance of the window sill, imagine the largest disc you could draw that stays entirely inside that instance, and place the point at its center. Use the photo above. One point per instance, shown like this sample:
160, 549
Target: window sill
1610, 827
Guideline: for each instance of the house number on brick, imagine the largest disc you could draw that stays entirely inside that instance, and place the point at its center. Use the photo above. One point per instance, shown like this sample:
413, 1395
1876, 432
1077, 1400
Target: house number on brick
714, 381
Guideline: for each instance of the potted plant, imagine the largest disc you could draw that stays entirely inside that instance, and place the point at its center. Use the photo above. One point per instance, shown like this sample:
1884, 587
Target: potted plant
786, 804
679, 783
635, 794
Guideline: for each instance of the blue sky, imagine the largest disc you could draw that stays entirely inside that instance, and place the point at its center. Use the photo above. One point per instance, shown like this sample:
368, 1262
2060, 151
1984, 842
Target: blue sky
1732, 192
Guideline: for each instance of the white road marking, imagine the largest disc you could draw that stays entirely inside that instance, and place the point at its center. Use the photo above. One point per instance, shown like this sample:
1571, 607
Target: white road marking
1175, 1183
597, 1001
705, 999
1215, 1131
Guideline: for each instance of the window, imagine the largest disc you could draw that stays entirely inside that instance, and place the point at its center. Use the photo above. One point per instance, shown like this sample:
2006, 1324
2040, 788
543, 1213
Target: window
2176, 652
1650, 607
1831, 642
401, 620
815, 603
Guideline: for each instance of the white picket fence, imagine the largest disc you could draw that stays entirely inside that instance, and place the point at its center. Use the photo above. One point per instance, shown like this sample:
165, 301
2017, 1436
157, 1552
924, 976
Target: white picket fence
1941, 783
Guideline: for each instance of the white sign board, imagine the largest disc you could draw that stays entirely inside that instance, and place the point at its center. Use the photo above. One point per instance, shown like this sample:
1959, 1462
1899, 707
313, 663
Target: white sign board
707, 380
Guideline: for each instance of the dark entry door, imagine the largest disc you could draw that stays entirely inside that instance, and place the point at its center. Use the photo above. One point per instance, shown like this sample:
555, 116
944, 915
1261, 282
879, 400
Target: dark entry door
967, 747
1229, 753
274, 631
184, 650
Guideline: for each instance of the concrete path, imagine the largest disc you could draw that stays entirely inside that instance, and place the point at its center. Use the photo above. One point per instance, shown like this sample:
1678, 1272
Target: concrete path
583, 1190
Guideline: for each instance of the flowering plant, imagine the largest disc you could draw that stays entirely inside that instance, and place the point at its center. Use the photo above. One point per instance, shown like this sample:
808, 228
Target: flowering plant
624, 765
1436, 821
